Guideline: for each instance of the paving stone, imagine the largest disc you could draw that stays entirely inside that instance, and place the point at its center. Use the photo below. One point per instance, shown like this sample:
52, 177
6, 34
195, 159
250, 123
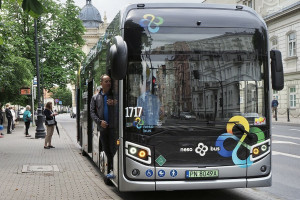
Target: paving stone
73, 178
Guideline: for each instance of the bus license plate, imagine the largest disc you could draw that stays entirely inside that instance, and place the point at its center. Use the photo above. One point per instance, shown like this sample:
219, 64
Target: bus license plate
191, 174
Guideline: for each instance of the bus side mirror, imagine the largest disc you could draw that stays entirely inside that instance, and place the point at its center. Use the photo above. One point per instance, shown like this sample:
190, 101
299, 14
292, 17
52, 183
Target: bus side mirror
277, 70
118, 58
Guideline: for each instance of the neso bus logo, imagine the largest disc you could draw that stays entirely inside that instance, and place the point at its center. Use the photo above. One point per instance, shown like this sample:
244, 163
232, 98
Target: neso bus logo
151, 21
138, 123
201, 149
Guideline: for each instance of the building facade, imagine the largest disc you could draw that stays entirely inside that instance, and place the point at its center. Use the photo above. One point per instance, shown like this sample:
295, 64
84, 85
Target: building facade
95, 29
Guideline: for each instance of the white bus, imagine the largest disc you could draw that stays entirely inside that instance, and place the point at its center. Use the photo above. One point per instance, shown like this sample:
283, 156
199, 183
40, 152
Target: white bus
193, 83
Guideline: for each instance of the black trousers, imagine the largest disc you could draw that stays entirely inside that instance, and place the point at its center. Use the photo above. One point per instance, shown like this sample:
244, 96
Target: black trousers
9, 121
27, 124
108, 145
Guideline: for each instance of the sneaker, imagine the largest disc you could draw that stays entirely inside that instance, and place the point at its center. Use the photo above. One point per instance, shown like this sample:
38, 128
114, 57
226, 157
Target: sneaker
27, 135
46, 147
1, 134
110, 175
50, 146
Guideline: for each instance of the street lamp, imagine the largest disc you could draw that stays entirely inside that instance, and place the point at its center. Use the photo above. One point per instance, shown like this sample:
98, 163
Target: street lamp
40, 130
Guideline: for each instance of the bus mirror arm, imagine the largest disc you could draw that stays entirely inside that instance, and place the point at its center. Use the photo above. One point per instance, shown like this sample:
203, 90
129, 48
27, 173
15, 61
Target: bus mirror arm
118, 58
277, 70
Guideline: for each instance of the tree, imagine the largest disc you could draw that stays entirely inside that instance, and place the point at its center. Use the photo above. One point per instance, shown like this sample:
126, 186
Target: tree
61, 44
16, 70
32, 7
60, 32
63, 94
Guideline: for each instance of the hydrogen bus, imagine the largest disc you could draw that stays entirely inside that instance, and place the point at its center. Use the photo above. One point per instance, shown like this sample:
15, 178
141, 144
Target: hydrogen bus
192, 85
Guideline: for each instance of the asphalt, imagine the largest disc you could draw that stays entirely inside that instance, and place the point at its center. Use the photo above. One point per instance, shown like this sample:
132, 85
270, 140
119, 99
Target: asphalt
28, 171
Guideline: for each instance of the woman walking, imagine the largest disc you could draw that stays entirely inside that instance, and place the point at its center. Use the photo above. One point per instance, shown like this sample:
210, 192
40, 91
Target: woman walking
50, 115
27, 119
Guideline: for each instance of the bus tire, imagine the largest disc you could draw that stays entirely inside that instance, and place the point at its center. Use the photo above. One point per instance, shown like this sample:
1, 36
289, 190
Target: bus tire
83, 153
107, 181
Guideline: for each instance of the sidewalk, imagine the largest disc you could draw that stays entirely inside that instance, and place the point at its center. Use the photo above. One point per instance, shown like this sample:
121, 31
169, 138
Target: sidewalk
282, 120
59, 173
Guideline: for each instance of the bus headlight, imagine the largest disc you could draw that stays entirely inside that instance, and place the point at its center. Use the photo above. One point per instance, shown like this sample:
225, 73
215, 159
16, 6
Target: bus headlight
260, 150
138, 152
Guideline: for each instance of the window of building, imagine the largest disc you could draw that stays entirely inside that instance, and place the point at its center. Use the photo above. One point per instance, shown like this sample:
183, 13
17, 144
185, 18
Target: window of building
292, 97
248, 3
292, 44
274, 44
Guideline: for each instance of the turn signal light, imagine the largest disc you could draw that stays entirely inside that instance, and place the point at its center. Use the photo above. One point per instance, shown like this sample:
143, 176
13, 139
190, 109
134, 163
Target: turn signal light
142, 154
255, 151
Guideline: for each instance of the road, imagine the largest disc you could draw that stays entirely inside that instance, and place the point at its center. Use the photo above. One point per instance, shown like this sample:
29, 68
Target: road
286, 174
286, 162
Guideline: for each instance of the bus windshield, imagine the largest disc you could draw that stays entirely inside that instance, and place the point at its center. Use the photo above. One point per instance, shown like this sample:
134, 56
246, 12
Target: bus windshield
192, 77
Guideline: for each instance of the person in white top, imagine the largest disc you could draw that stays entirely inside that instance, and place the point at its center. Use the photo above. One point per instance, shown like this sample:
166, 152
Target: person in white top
12, 110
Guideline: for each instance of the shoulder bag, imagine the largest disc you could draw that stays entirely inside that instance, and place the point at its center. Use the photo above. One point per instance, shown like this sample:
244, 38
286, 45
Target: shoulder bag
51, 122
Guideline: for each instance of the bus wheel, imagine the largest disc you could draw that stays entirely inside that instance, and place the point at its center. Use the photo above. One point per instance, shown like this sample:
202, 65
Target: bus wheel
107, 181
101, 162
83, 152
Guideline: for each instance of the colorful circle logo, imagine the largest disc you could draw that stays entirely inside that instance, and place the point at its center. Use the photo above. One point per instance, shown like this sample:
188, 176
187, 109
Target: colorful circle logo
150, 21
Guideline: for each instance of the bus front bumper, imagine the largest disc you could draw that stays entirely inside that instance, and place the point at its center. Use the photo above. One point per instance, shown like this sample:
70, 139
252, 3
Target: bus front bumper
128, 185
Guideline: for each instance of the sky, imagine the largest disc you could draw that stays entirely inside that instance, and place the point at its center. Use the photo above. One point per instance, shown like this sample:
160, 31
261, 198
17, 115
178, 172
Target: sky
111, 7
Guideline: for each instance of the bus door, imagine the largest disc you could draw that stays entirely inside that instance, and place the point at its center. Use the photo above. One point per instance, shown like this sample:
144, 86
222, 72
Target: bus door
89, 119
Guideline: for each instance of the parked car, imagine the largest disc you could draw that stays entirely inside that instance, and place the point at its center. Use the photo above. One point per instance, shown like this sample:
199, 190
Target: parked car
187, 115
20, 113
251, 117
73, 112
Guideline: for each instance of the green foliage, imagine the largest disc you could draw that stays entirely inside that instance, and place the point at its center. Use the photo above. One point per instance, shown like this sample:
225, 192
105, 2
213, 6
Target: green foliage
33, 7
60, 40
63, 94
16, 70
61, 44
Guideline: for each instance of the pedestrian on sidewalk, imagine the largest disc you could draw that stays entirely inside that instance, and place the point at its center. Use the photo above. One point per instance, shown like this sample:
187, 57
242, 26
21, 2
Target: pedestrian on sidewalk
27, 120
13, 121
1, 121
9, 118
50, 115
274, 106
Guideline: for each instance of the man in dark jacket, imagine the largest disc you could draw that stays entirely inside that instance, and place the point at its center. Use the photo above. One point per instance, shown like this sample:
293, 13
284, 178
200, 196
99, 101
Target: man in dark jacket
9, 118
101, 108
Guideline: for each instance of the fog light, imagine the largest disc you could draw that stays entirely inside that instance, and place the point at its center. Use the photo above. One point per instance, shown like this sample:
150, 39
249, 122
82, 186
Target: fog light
255, 151
142, 154
263, 168
132, 150
135, 172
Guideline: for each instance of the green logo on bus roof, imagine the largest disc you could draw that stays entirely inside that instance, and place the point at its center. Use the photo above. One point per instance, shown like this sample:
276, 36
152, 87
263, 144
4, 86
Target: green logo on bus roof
160, 160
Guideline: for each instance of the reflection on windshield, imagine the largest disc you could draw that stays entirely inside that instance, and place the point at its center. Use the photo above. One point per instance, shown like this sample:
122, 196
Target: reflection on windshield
211, 78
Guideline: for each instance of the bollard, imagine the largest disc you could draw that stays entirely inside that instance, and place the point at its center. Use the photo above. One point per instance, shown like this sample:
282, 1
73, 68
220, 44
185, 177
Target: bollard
288, 114
275, 114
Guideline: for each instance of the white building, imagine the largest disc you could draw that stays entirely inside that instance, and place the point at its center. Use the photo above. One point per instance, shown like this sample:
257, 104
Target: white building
283, 20
95, 29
